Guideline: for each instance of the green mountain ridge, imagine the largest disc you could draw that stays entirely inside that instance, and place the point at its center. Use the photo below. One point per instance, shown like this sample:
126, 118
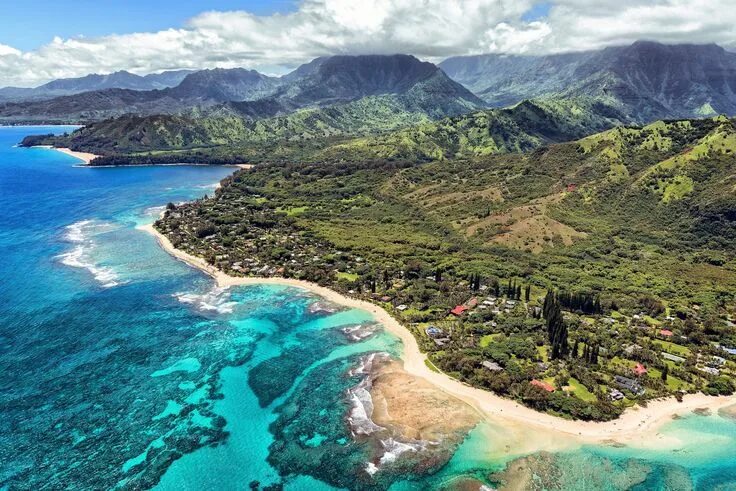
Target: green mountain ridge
330, 133
645, 80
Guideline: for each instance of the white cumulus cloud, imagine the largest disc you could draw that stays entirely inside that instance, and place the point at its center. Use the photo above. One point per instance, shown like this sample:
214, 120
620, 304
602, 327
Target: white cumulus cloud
429, 29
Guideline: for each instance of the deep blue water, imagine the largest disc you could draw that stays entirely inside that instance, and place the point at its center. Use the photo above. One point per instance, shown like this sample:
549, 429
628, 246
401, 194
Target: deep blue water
121, 367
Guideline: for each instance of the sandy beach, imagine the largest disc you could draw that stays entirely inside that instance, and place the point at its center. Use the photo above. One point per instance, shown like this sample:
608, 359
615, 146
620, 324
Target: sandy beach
637, 426
89, 157
83, 156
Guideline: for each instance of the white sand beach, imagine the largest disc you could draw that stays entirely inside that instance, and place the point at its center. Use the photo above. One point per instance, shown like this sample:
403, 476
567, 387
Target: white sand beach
637, 426
83, 156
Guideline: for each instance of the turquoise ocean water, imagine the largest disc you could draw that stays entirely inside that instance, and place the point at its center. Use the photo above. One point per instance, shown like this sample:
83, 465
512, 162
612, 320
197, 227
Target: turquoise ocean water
122, 368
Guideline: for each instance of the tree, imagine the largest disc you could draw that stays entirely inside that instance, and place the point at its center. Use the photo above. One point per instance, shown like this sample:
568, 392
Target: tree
527, 292
548, 300
665, 372
556, 328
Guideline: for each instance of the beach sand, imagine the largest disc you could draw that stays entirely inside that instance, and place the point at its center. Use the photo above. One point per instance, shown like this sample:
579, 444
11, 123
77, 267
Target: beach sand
89, 157
638, 426
83, 156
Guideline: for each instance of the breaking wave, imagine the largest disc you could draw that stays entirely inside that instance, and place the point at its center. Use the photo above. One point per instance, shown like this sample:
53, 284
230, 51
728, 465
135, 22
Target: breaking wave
82, 235
361, 424
361, 402
217, 300
359, 332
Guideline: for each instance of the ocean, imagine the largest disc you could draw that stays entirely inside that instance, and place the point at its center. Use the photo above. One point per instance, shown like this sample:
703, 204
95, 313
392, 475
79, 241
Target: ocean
123, 368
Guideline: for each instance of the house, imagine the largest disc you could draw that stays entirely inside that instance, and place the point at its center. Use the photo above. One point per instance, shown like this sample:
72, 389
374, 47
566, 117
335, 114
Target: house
472, 303
385, 298
492, 366
441, 342
710, 370
542, 385
629, 384
434, 332
716, 361
402, 307
629, 350
666, 333
615, 395
639, 370
671, 357
730, 351
458, 310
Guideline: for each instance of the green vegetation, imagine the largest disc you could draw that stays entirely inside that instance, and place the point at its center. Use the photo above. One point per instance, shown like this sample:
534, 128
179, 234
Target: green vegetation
367, 129
636, 278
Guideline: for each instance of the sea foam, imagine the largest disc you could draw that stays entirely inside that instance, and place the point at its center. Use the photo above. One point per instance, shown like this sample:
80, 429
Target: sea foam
82, 234
217, 300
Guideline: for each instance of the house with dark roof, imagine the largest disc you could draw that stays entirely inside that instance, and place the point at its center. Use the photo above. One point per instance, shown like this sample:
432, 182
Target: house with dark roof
615, 395
629, 384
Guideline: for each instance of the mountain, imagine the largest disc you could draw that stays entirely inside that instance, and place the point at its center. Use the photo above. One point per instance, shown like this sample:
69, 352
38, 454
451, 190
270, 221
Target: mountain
419, 86
646, 80
383, 127
522, 127
223, 85
196, 90
116, 80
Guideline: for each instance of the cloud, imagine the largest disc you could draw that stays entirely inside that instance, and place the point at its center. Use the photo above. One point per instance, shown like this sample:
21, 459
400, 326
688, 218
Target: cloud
429, 29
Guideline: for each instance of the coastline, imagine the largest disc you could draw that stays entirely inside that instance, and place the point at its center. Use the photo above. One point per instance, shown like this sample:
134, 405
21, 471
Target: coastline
87, 157
83, 156
182, 164
637, 426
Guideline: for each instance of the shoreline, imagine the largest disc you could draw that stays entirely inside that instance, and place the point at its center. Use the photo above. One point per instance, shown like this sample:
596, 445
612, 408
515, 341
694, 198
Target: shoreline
83, 156
87, 157
182, 164
638, 426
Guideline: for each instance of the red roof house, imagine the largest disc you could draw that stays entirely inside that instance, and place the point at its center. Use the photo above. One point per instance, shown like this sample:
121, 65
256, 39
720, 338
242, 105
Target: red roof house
640, 369
472, 302
666, 333
542, 385
458, 311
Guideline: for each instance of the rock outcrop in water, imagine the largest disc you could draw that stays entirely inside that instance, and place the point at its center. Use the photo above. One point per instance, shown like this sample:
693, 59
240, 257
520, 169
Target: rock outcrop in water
411, 425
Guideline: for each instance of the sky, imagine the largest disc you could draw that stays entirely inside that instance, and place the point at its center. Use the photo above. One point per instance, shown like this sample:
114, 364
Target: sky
41, 40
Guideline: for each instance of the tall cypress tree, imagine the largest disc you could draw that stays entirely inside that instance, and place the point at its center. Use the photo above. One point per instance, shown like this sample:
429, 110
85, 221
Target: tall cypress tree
556, 328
